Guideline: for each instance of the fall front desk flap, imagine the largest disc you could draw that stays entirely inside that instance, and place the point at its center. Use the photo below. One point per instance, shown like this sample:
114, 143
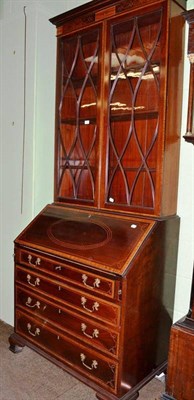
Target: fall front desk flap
103, 241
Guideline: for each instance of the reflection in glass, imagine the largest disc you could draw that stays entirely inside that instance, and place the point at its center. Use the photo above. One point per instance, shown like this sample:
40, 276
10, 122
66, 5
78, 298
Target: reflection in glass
133, 110
78, 116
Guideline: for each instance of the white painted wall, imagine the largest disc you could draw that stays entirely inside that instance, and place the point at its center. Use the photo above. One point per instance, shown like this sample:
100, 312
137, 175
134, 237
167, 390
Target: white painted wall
40, 108
11, 138
39, 132
185, 207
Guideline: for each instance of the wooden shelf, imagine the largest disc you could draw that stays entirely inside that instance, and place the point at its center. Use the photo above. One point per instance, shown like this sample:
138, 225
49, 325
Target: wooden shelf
137, 115
139, 67
78, 82
113, 118
80, 121
133, 169
76, 167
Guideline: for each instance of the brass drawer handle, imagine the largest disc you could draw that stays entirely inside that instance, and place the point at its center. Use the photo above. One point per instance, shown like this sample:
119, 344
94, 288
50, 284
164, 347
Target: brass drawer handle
94, 364
29, 301
95, 333
37, 330
95, 306
36, 283
37, 262
95, 284
58, 268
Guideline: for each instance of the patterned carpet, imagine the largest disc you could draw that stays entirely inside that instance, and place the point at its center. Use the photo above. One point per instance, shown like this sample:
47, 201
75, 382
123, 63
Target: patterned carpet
28, 376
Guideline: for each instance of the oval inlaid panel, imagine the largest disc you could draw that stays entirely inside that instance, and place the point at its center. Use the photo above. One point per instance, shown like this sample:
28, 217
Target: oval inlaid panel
80, 235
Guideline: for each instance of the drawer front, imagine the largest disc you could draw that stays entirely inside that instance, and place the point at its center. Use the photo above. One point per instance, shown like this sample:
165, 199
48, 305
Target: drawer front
87, 330
89, 363
65, 270
97, 308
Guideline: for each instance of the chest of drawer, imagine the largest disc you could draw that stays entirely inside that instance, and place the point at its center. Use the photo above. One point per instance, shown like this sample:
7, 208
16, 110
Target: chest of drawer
81, 358
91, 332
67, 271
80, 301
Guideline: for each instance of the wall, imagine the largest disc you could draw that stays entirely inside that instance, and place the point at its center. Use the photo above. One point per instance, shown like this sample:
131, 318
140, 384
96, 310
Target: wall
39, 124
185, 207
12, 125
39, 137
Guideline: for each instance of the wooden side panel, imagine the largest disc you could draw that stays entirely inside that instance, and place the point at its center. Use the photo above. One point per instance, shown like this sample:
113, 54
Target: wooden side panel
180, 377
149, 303
174, 113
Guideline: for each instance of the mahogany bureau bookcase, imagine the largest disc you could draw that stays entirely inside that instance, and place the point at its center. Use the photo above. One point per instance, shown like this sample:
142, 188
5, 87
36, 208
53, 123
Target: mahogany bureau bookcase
95, 271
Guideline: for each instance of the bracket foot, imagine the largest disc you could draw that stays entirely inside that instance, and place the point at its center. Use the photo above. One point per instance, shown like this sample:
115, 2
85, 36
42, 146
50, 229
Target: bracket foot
16, 345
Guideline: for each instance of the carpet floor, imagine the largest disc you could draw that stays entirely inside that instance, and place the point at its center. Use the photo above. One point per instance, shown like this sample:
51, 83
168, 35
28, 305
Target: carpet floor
28, 376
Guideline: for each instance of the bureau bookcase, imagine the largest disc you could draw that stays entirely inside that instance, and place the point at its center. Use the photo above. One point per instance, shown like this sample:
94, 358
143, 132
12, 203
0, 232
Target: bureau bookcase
95, 271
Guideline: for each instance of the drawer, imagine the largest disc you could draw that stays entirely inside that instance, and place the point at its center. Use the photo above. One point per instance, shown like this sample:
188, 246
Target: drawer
97, 308
89, 363
65, 270
93, 333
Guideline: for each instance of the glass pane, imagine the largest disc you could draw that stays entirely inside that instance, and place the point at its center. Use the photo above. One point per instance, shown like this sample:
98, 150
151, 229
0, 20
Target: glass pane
78, 133
134, 104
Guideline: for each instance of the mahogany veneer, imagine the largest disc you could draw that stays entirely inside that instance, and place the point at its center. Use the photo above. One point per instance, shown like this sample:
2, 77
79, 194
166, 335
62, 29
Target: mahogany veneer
180, 373
72, 299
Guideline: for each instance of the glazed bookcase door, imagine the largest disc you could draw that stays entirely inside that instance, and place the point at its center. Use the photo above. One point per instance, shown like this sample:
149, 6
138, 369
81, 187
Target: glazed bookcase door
77, 125
133, 117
